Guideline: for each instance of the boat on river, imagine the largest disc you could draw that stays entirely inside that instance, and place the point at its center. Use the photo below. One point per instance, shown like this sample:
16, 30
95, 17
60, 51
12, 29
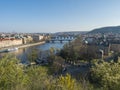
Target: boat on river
9, 49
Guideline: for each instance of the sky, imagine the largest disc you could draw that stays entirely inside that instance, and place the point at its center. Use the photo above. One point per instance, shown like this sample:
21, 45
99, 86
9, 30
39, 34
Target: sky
57, 15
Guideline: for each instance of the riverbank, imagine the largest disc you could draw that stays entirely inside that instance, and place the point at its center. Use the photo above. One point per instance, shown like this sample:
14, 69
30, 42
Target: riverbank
25, 45
33, 44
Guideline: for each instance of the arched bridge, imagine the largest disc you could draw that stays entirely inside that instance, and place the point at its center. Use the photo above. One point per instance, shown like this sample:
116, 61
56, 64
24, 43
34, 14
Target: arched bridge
61, 38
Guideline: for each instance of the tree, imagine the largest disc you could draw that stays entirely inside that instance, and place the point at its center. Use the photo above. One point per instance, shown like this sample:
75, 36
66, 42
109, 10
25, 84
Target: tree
106, 75
14, 76
77, 50
68, 83
33, 54
52, 51
11, 74
56, 64
37, 77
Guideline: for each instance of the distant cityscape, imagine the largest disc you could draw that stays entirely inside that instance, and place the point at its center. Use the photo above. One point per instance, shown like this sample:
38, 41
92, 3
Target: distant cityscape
91, 38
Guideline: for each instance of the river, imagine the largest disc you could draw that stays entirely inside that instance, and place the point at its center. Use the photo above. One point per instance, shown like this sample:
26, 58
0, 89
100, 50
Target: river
22, 53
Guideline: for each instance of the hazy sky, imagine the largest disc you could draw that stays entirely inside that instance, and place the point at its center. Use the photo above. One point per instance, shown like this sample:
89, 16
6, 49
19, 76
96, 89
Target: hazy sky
57, 15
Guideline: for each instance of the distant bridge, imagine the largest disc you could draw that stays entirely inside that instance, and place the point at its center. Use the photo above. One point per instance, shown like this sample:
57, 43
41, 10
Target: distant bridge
61, 38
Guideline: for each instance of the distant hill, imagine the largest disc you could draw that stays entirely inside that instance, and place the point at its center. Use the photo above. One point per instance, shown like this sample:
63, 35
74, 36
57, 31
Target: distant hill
71, 32
113, 29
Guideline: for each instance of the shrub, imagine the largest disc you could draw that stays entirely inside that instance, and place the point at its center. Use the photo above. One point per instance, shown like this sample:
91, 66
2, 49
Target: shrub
106, 75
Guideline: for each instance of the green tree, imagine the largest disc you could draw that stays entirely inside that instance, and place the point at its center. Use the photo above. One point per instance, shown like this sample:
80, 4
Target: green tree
57, 65
33, 54
11, 74
37, 77
106, 75
68, 83
52, 51
14, 76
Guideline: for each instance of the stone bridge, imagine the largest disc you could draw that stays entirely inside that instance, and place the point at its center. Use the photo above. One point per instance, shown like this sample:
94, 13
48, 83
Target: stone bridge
61, 38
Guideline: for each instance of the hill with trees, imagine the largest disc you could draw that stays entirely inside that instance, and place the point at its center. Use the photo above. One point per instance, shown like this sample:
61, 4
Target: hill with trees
112, 29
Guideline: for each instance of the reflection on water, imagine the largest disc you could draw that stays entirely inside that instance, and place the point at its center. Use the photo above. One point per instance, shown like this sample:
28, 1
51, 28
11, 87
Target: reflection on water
23, 52
47, 46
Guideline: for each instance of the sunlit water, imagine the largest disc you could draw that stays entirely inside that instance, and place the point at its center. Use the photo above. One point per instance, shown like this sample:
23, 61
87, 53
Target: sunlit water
22, 53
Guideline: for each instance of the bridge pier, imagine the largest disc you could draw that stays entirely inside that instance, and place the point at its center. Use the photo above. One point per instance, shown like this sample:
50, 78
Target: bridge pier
69, 41
61, 41
48, 41
52, 41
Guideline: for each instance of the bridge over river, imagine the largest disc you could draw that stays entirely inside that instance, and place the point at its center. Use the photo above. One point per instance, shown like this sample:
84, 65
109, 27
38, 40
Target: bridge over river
61, 38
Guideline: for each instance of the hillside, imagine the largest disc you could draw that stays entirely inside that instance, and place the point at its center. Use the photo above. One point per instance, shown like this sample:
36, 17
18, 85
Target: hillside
113, 29
71, 33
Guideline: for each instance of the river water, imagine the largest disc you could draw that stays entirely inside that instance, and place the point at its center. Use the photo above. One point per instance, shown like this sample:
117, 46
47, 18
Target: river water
22, 53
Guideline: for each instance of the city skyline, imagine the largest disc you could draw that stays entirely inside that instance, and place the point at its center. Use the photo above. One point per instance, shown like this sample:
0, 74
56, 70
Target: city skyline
57, 15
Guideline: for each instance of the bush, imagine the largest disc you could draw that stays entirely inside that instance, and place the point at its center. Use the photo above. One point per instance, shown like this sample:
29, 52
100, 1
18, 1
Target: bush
106, 75
37, 77
12, 75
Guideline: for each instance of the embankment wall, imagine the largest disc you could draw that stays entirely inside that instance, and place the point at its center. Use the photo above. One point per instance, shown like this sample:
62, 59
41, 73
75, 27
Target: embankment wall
7, 43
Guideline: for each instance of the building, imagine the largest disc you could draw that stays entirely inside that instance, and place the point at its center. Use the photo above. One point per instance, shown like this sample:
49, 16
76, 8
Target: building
10, 42
37, 38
